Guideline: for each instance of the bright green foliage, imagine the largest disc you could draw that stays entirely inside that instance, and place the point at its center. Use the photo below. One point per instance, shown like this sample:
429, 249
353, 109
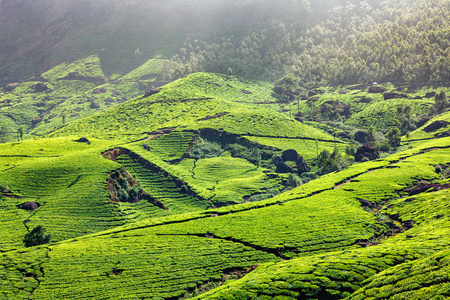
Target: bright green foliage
140, 264
161, 187
36, 236
307, 148
148, 71
20, 272
421, 134
394, 135
230, 180
287, 85
68, 180
87, 67
167, 109
170, 147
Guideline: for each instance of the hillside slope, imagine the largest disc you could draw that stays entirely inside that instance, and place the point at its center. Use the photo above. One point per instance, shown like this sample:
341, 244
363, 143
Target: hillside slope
345, 234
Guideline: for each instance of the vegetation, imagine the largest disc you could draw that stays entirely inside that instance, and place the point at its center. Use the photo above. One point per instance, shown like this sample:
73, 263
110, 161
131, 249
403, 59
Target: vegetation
317, 184
36, 237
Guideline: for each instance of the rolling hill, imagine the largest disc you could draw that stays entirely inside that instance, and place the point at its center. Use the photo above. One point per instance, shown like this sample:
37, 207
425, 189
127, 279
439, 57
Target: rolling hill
174, 195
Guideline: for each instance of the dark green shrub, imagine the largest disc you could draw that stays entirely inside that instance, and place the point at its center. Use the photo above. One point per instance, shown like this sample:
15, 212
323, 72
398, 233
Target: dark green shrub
350, 150
294, 181
260, 197
36, 237
205, 149
287, 85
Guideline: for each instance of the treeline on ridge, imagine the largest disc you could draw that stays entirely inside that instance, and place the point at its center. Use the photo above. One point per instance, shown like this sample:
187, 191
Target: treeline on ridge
401, 41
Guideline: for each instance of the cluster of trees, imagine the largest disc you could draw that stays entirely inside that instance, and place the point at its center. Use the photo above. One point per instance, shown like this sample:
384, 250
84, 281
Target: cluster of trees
399, 41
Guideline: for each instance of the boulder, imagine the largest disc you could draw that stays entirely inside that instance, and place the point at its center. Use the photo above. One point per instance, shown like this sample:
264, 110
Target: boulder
39, 87
290, 155
393, 95
422, 122
283, 168
368, 151
83, 140
99, 91
442, 134
277, 160
36, 121
435, 126
312, 93
430, 94
246, 92
152, 92
31, 205
376, 89
302, 167
360, 136
94, 105
364, 100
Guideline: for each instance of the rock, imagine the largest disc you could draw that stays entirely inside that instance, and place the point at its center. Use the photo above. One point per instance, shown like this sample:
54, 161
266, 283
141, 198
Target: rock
376, 89
442, 134
435, 126
31, 205
99, 91
368, 151
343, 92
246, 92
422, 122
312, 93
393, 95
11, 86
152, 92
302, 167
277, 160
83, 140
430, 94
283, 168
39, 87
366, 203
94, 105
36, 121
290, 155
361, 136
364, 100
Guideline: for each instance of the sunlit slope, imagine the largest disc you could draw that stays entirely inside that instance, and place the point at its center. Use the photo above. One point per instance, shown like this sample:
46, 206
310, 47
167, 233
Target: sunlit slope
66, 179
67, 92
435, 128
191, 103
345, 234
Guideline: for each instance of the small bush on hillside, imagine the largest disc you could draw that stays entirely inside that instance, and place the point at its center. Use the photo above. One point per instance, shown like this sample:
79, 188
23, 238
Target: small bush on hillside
328, 162
294, 181
205, 149
36, 237
260, 197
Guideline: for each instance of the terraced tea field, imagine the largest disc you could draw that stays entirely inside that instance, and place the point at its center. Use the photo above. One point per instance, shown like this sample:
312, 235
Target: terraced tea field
374, 230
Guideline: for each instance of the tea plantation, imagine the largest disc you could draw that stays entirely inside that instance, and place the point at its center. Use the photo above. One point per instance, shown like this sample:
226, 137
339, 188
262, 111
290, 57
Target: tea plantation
175, 195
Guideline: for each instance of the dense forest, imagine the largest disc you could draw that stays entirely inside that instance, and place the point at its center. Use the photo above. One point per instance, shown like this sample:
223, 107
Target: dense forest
401, 41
